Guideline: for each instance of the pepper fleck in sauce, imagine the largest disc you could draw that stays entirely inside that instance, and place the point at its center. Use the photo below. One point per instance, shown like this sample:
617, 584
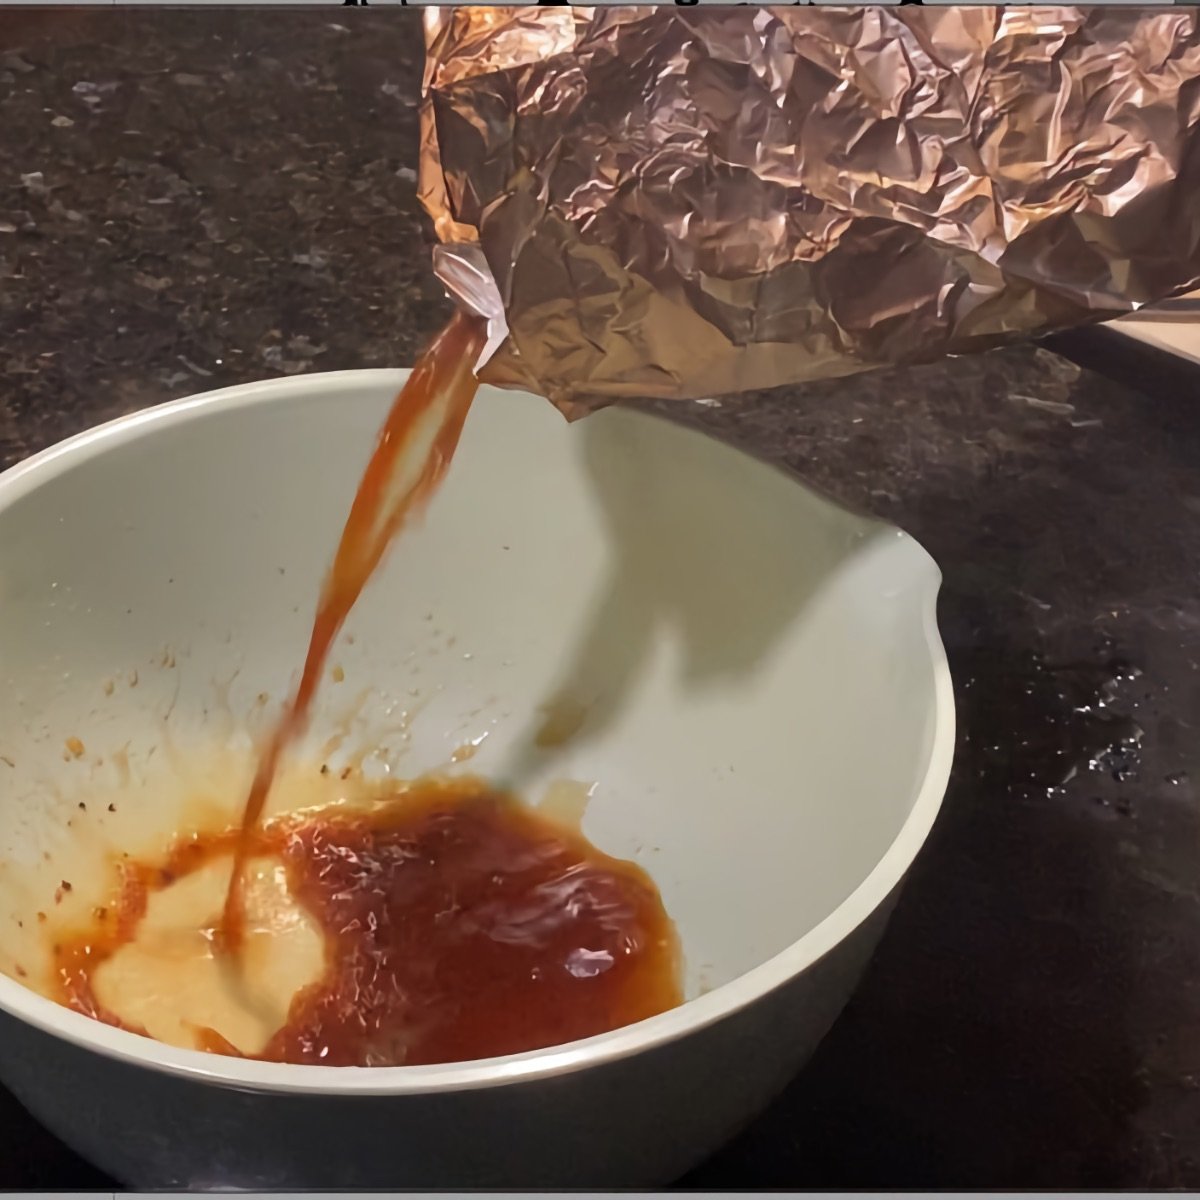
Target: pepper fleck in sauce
457, 924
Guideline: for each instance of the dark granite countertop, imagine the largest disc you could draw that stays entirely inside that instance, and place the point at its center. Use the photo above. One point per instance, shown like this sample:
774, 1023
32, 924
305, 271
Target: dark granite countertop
193, 199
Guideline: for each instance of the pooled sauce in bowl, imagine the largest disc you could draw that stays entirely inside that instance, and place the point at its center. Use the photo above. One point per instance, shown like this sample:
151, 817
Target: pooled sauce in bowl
456, 924
441, 923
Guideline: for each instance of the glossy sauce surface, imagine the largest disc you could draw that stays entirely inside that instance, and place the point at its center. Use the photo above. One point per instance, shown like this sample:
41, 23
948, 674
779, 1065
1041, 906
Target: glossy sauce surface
457, 924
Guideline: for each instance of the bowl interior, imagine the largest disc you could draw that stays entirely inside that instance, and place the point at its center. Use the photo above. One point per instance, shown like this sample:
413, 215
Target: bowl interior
737, 674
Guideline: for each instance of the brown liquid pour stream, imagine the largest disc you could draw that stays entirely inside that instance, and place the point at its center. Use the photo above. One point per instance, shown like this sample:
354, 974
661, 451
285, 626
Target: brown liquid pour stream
442, 384
458, 924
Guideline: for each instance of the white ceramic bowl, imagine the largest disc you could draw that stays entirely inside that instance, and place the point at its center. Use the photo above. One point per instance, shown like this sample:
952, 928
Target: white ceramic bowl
769, 731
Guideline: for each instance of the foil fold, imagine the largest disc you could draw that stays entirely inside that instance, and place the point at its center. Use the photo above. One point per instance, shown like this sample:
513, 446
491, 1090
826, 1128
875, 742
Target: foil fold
688, 202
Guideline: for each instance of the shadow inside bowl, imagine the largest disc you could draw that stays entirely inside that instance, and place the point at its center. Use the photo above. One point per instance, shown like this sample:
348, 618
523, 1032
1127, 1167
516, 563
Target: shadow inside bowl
721, 570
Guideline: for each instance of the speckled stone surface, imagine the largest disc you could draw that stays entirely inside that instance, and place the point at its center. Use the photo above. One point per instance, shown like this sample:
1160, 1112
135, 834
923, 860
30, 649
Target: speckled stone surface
190, 199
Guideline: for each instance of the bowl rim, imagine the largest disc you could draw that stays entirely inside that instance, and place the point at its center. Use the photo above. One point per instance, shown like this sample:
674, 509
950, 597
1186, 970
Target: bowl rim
693, 1015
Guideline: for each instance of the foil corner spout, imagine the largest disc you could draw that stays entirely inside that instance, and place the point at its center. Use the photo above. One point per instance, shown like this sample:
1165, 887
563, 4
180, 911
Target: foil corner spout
463, 271
466, 276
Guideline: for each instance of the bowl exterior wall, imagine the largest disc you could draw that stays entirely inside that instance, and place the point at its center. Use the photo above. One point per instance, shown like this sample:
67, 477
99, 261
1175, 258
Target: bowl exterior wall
640, 1121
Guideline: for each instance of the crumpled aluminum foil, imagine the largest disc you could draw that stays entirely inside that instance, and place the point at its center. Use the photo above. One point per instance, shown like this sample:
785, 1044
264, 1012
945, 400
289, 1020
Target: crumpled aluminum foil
689, 202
